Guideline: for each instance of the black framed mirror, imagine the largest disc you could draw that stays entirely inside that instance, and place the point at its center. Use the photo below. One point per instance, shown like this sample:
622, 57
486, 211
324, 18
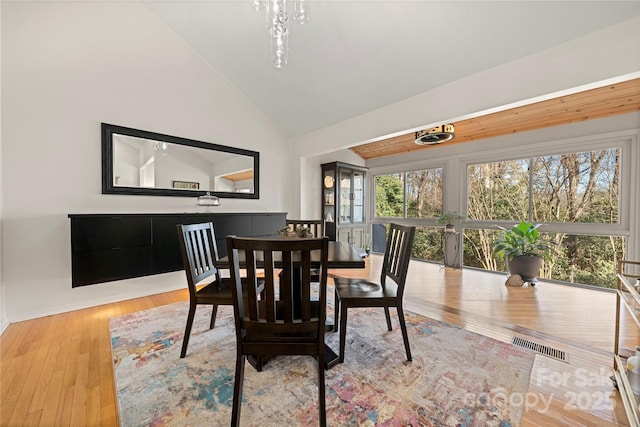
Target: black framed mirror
148, 163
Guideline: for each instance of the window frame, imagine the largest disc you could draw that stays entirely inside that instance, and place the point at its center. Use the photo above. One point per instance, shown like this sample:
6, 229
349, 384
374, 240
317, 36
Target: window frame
390, 170
454, 186
574, 145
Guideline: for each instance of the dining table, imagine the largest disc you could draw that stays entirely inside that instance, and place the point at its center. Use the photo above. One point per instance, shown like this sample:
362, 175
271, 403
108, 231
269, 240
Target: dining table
340, 255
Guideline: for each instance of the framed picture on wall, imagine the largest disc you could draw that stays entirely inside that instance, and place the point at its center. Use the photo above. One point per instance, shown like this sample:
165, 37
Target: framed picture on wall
186, 185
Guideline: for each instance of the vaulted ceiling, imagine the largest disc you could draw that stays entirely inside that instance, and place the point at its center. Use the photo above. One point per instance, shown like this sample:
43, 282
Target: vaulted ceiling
619, 98
358, 56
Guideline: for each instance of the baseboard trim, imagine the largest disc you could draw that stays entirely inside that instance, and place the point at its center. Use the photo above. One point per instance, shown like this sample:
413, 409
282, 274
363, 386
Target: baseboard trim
4, 324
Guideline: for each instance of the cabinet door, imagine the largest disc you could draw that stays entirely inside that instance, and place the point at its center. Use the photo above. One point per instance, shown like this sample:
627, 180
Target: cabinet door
225, 225
109, 248
106, 265
166, 249
344, 235
358, 197
357, 237
266, 225
329, 194
352, 235
110, 232
346, 195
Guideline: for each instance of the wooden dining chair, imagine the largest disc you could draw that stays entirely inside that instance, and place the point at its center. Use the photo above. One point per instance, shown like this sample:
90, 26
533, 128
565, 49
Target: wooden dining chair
268, 326
315, 226
317, 229
199, 254
387, 292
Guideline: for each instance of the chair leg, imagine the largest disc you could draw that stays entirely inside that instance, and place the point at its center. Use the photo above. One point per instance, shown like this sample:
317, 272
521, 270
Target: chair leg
343, 330
321, 389
386, 314
187, 329
403, 328
214, 313
237, 390
336, 311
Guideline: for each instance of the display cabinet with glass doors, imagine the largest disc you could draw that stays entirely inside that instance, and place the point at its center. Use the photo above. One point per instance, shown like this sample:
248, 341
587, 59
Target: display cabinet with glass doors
343, 202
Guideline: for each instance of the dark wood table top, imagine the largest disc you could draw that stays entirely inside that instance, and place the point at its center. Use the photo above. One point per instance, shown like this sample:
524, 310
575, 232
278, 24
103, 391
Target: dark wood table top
341, 255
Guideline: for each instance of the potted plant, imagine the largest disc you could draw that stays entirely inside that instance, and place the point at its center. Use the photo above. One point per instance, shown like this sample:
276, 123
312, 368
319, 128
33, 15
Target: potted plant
299, 231
523, 250
303, 232
449, 219
286, 232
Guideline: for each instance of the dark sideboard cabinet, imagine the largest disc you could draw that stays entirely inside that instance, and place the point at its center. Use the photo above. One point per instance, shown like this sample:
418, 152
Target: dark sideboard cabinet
108, 247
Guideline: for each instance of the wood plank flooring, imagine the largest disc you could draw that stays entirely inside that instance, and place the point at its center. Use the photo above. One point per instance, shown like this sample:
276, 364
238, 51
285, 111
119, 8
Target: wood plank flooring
57, 370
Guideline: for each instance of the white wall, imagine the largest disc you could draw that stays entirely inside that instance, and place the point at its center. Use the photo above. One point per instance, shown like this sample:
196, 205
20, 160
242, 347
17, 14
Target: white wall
606, 54
4, 322
67, 67
126, 164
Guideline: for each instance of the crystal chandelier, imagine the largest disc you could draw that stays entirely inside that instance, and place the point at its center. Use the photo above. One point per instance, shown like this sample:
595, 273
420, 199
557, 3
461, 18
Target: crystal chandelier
277, 26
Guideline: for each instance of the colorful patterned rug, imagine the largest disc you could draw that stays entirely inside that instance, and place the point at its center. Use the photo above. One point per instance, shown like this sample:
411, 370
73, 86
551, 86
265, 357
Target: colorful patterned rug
457, 378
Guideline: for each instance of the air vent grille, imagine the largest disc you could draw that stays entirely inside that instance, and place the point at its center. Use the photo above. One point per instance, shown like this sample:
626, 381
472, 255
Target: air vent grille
551, 352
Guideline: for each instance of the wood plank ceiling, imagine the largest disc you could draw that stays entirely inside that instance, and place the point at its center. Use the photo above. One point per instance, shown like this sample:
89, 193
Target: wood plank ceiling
240, 176
614, 99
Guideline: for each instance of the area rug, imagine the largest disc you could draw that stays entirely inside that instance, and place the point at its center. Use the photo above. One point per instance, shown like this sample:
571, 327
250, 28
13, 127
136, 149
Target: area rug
457, 378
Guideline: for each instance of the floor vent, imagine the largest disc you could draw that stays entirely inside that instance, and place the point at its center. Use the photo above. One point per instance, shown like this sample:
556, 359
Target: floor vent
551, 352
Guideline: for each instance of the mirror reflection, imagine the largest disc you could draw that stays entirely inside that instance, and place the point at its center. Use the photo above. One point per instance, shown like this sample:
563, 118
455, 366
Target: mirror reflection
139, 162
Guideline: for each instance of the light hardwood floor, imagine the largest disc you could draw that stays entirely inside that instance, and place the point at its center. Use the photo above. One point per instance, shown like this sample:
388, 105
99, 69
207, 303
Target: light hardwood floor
57, 370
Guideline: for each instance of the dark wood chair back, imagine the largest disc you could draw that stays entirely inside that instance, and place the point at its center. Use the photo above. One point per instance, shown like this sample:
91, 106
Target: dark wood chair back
316, 226
397, 255
361, 292
199, 254
284, 320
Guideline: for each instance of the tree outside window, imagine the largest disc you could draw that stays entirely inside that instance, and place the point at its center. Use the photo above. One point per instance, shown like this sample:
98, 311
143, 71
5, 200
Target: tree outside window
580, 187
414, 194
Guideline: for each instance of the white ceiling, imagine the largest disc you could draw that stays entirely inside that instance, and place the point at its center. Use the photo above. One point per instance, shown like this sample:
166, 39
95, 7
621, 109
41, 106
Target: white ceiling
357, 56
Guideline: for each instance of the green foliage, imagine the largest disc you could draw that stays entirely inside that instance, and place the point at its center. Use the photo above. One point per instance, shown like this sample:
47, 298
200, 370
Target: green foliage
389, 196
450, 217
498, 191
522, 239
428, 244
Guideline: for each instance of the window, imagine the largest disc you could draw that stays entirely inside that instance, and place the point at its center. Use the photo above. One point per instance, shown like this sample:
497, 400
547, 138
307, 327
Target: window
576, 187
573, 187
414, 194
390, 195
560, 189
498, 191
424, 193
589, 260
